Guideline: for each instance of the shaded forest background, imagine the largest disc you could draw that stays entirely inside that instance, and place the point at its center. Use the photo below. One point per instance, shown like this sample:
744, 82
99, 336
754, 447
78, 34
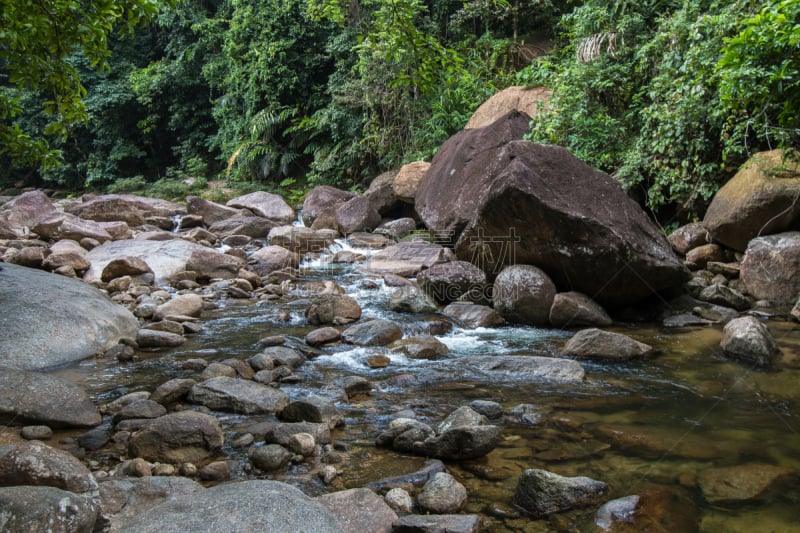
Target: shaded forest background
670, 97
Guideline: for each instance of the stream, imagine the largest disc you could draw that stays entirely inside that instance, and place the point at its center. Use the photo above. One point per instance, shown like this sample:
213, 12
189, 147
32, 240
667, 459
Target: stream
633, 425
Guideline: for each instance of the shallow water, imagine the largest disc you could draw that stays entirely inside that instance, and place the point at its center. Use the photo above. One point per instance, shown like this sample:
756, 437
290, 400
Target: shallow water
633, 425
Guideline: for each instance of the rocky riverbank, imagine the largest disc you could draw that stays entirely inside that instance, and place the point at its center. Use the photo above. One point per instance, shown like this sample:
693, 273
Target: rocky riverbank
495, 233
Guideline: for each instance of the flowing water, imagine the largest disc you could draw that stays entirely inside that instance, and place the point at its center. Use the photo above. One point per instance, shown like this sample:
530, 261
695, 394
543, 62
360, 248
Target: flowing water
634, 425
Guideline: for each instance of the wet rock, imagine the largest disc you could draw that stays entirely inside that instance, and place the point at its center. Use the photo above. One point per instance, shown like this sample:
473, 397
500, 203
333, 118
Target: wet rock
442, 495
241, 224
735, 485
124, 266
172, 391
333, 309
323, 198
376, 332
122, 401
660, 442
66, 253
761, 199
524, 294
420, 347
357, 386
322, 336
215, 370
469, 315
542, 493
487, 408
148, 338
256, 505
312, 409
397, 229
189, 304
36, 432
417, 479
266, 205
447, 282
595, 343
748, 339
770, 267
411, 299
238, 395
94, 439
210, 212
281, 432
302, 444
57, 402
185, 436
405, 258
357, 214
28, 509
527, 368
729, 270
715, 313
654, 508
270, 457
359, 510
725, 296
403, 433
688, 237
123, 499
399, 500
453, 523
35, 463
300, 239
464, 434
283, 356
140, 409
272, 258
126, 207
698, 258
216, 471
168, 326
574, 309
347, 256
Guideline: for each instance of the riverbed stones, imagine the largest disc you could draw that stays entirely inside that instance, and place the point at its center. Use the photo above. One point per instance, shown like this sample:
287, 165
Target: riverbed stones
181, 437
333, 309
720, 294
266, 205
405, 258
65, 226
528, 100
211, 212
272, 258
124, 266
301, 239
30, 509
464, 434
256, 505
35, 463
357, 214
523, 368
397, 229
281, 432
323, 198
542, 493
761, 199
188, 304
442, 494
420, 347
653, 508
359, 510
449, 523
56, 403
269, 457
139, 409
377, 332
770, 267
689, 236
312, 409
594, 343
740, 484
129, 208
238, 395
447, 282
400, 500
243, 224
748, 339
322, 336
524, 294
470, 315
149, 338
411, 299
575, 309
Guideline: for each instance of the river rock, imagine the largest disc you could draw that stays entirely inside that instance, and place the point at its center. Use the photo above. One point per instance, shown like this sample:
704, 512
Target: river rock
149, 338
238, 395
595, 343
399, 500
57, 402
376, 332
270, 457
300, 239
654, 508
469, 315
416, 479
272, 258
321, 336
28, 256
312, 409
182, 437
242, 224
359, 510
748, 339
405, 258
397, 229
65, 226
687, 237
771, 267
66, 252
464, 434
321, 199
740, 484
211, 212
357, 214
573, 309
140, 409
27, 509
411, 299
124, 266
524, 294
443, 523
720, 294
302, 444
129, 208
420, 347
256, 505
27, 209
576, 224
543, 493
447, 282
35, 463
215, 370
123, 499
166, 259
442, 494
523, 368
527, 100
188, 304
280, 356
266, 205
698, 258
282, 432
761, 199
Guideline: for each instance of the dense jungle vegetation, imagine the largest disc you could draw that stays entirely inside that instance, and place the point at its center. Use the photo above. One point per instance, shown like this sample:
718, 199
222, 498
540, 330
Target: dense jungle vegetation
669, 96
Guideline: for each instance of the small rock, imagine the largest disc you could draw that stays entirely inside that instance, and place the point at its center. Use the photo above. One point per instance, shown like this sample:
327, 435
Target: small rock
216, 471
442, 494
322, 336
312, 409
36, 432
542, 493
378, 361
735, 485
487, 408
376, 332
158, 339
327, 473
302, 444
399, 500
748, 339
594, 343
270, 457
357, 386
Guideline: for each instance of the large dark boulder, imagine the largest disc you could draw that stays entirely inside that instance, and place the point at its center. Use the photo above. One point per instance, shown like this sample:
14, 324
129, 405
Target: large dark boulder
321, 199
510, 201
49, 320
